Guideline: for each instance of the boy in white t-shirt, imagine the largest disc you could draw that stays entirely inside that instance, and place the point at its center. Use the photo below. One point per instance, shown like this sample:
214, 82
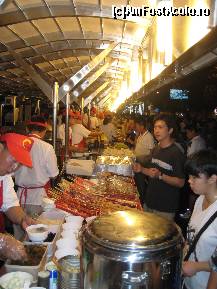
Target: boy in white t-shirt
202, 170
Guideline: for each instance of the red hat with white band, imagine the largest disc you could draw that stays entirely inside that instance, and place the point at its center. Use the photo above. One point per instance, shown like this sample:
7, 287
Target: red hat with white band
19, 147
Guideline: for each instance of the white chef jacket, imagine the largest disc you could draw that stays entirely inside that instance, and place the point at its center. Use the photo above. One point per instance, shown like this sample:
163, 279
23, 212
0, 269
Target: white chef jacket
9, 195
196, 144
61, 133
78, 133
44, 167
94, 123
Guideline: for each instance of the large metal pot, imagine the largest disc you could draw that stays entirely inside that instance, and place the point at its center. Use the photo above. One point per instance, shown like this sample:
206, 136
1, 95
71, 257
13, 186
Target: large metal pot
131, 250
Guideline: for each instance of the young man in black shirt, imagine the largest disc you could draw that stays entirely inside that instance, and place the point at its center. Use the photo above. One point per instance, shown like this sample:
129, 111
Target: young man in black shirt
165, 170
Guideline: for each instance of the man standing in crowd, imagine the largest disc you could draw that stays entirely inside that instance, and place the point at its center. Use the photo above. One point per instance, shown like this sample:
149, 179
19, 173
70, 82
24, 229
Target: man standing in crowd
165, 170
196, 142
14, 151
143, 148
33, 183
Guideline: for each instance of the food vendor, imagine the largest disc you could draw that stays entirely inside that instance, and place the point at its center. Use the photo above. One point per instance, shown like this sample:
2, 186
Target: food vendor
94, 123
80, 133
61, 128
33, 183
14, 151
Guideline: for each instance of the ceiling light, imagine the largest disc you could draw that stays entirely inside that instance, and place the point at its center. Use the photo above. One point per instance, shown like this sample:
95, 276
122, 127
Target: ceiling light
76, 93
66, 87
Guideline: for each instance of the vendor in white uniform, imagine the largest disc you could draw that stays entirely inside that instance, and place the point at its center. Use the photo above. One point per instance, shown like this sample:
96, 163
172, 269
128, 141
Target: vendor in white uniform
61, 128
80, 133
33, 183
94, 122
14, 151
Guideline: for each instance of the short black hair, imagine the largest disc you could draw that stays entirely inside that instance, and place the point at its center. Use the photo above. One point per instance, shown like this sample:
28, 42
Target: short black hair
107, 119
141, 121
35, 127
169, 120
192, 127
202, 162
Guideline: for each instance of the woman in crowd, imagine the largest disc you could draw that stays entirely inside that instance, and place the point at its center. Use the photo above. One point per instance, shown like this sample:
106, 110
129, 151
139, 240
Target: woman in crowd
202, 170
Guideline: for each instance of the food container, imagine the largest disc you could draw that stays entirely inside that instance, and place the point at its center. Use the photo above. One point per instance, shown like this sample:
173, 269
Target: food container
131, 249
80, 167
51, 246
37, 233
69, 272
117, 165
33, 270
15, 280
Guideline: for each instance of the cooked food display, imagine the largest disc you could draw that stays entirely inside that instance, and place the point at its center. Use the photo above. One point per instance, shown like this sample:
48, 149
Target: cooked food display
34, 256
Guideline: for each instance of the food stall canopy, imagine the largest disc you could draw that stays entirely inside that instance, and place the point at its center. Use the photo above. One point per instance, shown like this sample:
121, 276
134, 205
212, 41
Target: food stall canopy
59, 38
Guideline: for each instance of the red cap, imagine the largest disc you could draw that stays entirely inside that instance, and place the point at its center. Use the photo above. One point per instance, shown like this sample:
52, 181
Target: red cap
37, 123
19, 147
93, 110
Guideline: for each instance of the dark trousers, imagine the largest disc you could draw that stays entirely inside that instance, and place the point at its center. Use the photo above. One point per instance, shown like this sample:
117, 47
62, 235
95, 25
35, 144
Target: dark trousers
141, 184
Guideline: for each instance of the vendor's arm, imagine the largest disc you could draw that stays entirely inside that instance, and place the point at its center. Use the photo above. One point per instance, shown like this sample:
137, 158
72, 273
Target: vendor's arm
11, 206
190, 268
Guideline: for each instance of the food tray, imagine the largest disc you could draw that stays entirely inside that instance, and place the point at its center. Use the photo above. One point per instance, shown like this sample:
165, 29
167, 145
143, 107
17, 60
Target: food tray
80, 167
116, 165
33, 270
51, 246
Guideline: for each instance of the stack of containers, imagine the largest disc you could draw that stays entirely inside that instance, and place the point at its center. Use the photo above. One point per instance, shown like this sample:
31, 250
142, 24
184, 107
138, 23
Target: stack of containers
68, 254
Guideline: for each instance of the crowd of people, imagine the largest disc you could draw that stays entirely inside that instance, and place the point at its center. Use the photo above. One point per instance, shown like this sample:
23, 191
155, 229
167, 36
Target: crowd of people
171, 151
175, 156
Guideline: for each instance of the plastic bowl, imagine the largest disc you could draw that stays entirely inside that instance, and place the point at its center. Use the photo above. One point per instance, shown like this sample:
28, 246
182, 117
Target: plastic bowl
15, 279
34, 233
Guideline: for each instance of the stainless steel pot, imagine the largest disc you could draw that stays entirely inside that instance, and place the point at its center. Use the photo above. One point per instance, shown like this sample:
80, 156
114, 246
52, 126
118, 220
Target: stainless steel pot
131, 250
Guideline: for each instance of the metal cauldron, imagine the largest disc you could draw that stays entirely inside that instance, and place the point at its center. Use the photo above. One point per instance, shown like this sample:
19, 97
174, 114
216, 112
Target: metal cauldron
132, 250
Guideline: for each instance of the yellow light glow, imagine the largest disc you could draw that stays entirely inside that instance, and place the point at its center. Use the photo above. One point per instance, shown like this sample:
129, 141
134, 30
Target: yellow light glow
164, 33
198, 26
147, 74
124, 93
135, 76
129, 219
140, 33
156, 69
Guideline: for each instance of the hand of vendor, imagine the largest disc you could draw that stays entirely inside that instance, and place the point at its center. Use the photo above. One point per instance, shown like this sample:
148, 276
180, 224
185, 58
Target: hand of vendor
27, 221
10, 248
17, 216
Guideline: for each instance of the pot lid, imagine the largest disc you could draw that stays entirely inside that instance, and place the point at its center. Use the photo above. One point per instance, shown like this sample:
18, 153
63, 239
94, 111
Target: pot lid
132, 229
